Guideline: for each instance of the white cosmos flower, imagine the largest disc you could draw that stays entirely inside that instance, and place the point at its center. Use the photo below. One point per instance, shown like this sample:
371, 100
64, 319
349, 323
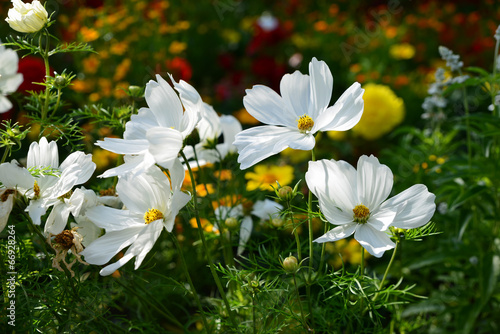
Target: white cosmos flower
355, 200
15, 180
296, 115
27, 17
46, 190
10, 80
156, 134
152, 204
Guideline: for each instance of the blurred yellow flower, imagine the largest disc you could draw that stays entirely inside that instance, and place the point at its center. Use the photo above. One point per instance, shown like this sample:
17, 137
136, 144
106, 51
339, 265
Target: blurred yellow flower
336, 135
296, 156
206, 225
91, 64
224, 174
245, 118
402, 51
122, 69
103, 158
382, 112
264, 176
89, 34
119, 48
177, 47
204, 189
349, 252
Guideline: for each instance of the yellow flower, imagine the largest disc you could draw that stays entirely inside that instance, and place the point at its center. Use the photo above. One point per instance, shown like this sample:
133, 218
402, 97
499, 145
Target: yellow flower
206, 225
122, 69
177, 47
402, 51
203, 190
382, 112
245, 118
89, 34
336, 135
264, 176
224, 174
91, 64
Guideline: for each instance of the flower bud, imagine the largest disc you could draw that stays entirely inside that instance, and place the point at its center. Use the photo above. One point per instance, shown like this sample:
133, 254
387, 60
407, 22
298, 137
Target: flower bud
27, 17
285, 193
60, 81
135, 91
290, 264
277, 222
231, 223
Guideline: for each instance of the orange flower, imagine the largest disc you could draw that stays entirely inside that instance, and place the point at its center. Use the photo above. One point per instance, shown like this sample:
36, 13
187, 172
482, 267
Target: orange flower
245, 118
89, 34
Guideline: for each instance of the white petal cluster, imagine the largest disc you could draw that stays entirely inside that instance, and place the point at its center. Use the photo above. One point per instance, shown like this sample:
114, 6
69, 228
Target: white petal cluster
340, 188
27, 17
156, 134
302, 97
10, 80
139, 194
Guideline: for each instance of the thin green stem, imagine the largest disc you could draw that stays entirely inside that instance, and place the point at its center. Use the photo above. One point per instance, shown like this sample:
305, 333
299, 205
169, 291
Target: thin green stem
45, 56
204, 242
362, 273
386, 271
310, 225
253, 315
295, 232
304, 322
323, 248
5, 154
57, 102
190, 281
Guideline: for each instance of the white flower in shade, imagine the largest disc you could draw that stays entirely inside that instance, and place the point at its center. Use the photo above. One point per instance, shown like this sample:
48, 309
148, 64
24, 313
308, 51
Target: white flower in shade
10, 80
210, 127
47, 190
27, 17
156, 134
355, 200
264, 210
152, 204
15, 181
296, 115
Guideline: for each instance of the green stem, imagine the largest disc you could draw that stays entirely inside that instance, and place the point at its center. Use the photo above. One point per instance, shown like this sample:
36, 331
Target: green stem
45, 56
310, 225
190, 281
57, 102
295, 232
253, 315
304, 322
204, 242
386, 271
323, 248
5, 154
362, 270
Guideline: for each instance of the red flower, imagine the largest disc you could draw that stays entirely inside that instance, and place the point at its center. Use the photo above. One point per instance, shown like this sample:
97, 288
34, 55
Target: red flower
33, 70
179, 68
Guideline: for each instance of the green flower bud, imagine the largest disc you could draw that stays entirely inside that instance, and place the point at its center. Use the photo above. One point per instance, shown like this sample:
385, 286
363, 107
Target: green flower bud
231, 223
290, 264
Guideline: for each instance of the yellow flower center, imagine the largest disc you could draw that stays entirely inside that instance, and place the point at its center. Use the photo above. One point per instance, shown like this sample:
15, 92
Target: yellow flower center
361, 214
151, 215
305, 123
36, 190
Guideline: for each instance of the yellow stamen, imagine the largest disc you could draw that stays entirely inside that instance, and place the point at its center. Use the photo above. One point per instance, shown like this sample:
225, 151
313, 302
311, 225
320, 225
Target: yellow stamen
361, 214
305, 123
151, 215
36, 190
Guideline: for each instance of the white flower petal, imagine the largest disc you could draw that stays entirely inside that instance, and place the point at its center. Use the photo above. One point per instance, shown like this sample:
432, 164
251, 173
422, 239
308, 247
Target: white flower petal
139, 123
419, 207
375, 242
57, 219
256, 144
14, 176
104, 248
5, 209
267, 106
164, 103
43, 154
124, 146
108, 270
344, 114
334, 185
266, 209
321, 86
112, 219
86, 166
133, 165
165, 145
36, 210
339, 232
245, 233
145, 241
296, 94
374, 182
382, 218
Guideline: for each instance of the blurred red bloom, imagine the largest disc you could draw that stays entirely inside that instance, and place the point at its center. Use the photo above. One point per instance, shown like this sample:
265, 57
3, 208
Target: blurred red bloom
33, 70
180, 68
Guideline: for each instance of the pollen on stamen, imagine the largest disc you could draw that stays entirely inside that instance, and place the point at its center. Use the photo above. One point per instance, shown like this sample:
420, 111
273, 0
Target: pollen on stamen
361, 213
305, 123
151, 215
36, 190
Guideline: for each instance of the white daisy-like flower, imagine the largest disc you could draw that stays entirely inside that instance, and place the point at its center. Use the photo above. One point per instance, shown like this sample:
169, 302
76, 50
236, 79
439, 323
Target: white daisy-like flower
152, 204
156, 134
10, 80
27, 17
47, 190
296, 115
355, 200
